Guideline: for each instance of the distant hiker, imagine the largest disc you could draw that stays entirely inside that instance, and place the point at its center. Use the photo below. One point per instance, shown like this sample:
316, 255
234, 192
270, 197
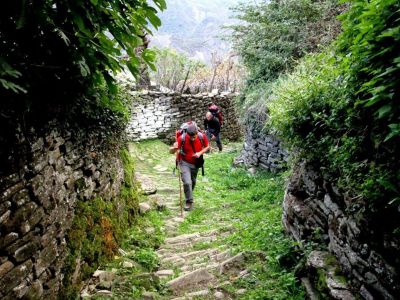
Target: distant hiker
213, 128
190, 145
216, 112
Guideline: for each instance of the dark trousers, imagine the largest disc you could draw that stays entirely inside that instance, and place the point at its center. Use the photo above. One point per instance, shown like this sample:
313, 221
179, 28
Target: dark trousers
217, 138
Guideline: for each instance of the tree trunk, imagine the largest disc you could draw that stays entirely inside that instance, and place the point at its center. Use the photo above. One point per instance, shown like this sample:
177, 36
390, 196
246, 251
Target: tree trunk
184, 82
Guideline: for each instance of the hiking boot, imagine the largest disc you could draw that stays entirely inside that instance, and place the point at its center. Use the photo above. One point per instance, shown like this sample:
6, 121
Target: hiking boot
188, 206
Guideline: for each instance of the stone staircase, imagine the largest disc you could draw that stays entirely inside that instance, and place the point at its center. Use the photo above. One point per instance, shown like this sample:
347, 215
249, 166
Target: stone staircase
190, 273
193, 266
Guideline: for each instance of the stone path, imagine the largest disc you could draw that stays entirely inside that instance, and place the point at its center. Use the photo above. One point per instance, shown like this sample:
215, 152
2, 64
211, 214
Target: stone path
192, 266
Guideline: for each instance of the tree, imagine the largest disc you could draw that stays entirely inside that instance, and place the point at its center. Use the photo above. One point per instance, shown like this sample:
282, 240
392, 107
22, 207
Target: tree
61, 50
272, 35
173, 67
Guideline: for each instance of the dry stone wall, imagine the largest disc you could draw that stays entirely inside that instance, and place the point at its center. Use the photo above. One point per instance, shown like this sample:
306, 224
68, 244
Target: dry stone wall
315, 211
37, 207
158, 115
261, 149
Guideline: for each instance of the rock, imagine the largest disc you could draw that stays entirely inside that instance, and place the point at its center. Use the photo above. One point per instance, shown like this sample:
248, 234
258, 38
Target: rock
192, 278
241, 292
252, 170
127, 265
104, 293
164, 273
26, 251
5, 268
222, 255
182, 238
85, 294
105, 285
12, 278
198, 293
232, 263
318, 259
311, 292
35, 291
219, 295
97, 273
122, 252
148, 296
144, 207
148, 187
157, 202
342, 295
104, 275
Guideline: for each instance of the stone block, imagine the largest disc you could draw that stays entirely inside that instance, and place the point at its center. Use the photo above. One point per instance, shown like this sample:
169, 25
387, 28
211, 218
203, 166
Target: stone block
26, 251
8, 239
35, 291
144, 207
20, 216
232, 263
8, 181
190, 279
9, 192
5, 268
45, 258
13, 278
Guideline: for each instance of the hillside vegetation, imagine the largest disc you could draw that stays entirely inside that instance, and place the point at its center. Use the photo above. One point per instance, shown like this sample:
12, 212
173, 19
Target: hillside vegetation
339, 108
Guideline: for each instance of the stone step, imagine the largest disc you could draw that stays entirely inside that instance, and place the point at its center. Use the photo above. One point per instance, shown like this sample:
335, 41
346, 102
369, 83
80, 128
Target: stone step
183, 238
164, 273
191, 279
178, 246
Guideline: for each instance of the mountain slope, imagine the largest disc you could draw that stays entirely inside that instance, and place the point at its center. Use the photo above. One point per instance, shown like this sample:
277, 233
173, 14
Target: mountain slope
194, 26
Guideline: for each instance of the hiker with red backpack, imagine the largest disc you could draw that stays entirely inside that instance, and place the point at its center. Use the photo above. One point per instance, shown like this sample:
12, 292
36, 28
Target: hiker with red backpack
216, 112
213, 128
191, 144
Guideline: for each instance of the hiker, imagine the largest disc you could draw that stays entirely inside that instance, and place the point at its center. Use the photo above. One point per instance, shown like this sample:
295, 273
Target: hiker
213, 128
191, 144
216, 112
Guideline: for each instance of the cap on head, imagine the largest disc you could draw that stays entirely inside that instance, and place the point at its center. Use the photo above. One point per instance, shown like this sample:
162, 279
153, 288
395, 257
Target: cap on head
191, 130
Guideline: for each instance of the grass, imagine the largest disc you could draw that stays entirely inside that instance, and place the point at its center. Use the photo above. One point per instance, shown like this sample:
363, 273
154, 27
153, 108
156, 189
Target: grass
246, 207
251, 204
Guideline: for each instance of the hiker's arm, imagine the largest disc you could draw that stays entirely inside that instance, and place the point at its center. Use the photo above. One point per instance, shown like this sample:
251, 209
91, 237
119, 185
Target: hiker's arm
200, 153
174, 148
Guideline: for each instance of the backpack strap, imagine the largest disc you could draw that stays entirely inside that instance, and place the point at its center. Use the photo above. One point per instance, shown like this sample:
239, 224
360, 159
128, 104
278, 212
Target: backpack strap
201, 137
183, 137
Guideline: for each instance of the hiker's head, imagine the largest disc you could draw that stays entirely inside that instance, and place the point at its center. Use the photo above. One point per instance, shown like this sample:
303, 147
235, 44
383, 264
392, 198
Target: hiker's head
192, 132
209, 116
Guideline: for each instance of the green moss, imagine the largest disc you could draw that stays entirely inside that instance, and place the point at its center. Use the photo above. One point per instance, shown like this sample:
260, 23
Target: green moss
98, 228
320, 283
331, 260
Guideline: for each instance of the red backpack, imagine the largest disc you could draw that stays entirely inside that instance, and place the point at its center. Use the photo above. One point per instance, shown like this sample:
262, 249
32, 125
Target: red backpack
182, 132
216, 112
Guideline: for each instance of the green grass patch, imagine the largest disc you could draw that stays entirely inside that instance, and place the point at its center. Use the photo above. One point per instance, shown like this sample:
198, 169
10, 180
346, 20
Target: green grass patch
251, 205
247, 208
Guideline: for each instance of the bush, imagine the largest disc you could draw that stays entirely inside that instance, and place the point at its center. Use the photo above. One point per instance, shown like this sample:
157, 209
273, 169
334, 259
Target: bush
340, 109
274, 35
